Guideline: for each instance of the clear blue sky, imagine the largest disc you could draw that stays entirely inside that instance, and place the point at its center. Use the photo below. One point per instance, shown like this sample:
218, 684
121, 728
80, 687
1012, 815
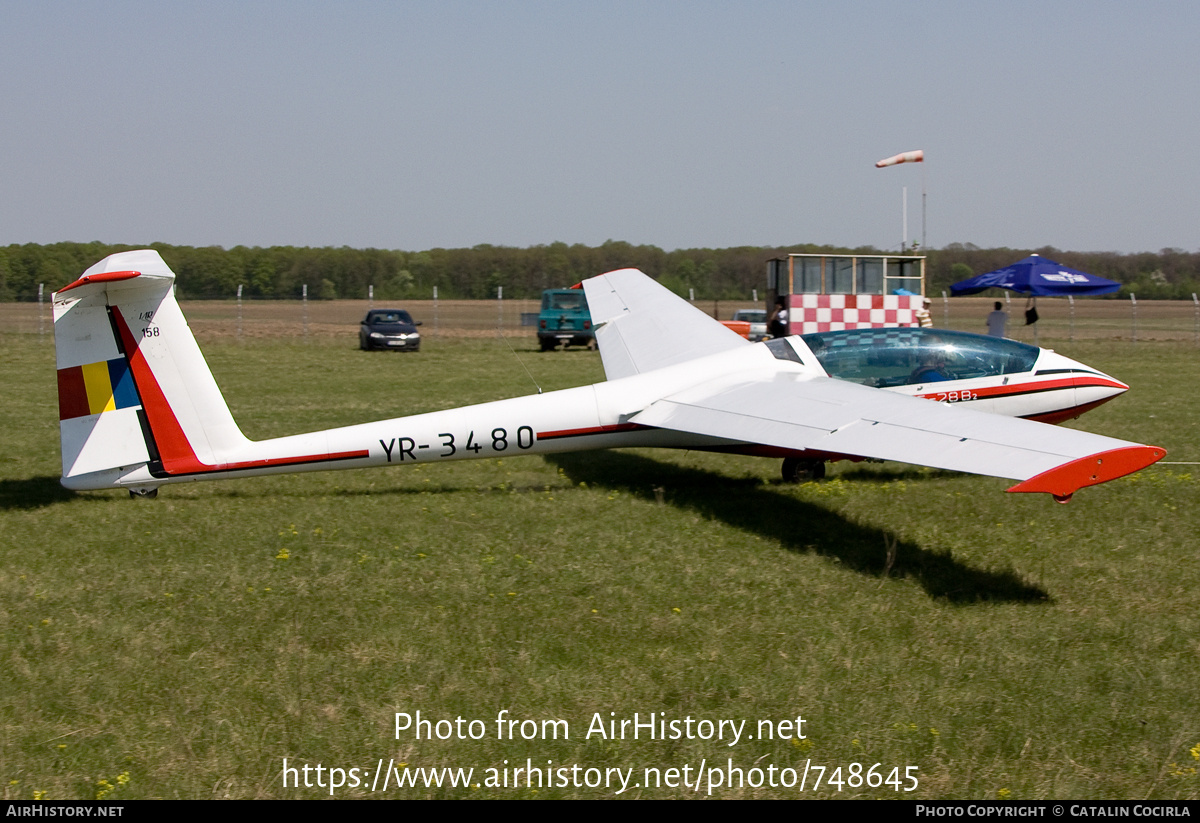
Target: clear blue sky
414, 125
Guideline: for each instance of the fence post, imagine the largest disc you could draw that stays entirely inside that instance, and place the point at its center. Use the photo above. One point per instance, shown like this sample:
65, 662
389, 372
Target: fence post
41, 312
1133, 311
945, 310
1071, 301
239, 334
371, 296
500, 307
435, 312
304, 297
1196, 310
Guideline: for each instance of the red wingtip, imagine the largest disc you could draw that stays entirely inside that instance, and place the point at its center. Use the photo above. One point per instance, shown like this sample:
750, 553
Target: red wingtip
1063, 481
578, 285
101, 277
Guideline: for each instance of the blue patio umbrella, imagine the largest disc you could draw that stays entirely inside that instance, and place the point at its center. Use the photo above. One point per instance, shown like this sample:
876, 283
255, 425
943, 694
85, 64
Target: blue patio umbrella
1037, 276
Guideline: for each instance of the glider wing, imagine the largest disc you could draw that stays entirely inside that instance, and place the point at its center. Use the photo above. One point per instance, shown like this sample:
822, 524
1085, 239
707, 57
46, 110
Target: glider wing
799, 411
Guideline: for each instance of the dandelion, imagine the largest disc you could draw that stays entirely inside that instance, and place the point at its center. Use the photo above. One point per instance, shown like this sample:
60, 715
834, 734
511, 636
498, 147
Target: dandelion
677, 610
1003, 794
1195, 750
37, 795
283, 554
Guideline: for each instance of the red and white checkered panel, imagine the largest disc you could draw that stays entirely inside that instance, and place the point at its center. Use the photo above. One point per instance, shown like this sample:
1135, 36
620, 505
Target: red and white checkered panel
834, 312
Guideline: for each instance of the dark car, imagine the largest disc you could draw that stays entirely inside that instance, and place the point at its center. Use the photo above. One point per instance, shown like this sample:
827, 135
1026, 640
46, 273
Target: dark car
389, 329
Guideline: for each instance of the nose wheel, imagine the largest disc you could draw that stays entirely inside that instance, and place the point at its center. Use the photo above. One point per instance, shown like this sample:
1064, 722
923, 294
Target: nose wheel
796, 470
143, 494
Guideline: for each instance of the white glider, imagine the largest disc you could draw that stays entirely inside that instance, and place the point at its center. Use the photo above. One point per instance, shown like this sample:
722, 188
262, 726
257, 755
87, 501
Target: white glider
139, 408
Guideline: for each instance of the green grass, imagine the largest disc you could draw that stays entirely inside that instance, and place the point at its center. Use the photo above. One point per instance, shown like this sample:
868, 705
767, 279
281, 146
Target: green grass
184, 647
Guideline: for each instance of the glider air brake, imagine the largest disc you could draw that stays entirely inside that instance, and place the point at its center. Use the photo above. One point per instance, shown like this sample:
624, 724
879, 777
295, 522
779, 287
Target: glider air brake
139, 408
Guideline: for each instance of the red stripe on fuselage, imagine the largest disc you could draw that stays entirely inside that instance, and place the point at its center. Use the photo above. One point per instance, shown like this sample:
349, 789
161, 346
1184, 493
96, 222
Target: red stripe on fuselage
174, 449
620, 427
1017, 389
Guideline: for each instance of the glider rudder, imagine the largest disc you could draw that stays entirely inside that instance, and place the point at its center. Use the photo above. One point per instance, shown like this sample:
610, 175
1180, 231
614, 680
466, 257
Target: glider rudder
135, 394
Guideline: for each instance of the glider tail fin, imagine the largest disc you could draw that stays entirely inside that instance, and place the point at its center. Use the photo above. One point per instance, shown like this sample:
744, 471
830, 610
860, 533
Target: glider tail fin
136, 398
641, 325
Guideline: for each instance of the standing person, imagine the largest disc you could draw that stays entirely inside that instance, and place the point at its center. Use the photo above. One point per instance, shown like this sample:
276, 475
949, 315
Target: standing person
924, 318
777, 322
997, 321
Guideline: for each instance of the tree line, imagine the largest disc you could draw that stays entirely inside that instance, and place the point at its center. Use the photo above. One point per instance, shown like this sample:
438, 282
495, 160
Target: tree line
280, 272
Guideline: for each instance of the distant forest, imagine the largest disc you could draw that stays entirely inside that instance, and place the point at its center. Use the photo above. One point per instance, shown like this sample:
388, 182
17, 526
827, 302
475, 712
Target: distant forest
724, 274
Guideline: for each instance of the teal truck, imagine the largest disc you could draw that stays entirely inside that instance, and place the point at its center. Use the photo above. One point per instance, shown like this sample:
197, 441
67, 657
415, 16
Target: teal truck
564, 319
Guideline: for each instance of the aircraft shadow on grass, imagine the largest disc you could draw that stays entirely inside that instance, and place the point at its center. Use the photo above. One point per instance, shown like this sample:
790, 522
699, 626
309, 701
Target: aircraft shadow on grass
33, 493
797, 526
878, 475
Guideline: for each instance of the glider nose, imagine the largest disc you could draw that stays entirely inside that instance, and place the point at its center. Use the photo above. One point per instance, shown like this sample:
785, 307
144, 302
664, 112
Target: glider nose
1091, 386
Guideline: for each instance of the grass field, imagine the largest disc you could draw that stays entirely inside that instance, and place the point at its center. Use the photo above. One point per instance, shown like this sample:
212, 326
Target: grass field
1003, 645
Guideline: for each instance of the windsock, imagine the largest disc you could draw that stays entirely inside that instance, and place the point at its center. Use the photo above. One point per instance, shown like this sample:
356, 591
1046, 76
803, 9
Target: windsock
917, 156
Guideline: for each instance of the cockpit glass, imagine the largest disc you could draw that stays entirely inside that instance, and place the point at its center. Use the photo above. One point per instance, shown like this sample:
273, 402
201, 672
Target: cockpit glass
902, 356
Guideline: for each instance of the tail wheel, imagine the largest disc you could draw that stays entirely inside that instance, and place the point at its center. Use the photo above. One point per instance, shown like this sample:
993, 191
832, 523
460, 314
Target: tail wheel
143, 494
796, 470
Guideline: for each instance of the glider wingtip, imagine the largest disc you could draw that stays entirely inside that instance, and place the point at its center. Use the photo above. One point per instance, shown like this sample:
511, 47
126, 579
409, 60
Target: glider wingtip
1063, 481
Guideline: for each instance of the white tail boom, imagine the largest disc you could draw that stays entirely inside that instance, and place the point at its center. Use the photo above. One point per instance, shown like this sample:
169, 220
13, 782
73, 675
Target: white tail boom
138, 406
